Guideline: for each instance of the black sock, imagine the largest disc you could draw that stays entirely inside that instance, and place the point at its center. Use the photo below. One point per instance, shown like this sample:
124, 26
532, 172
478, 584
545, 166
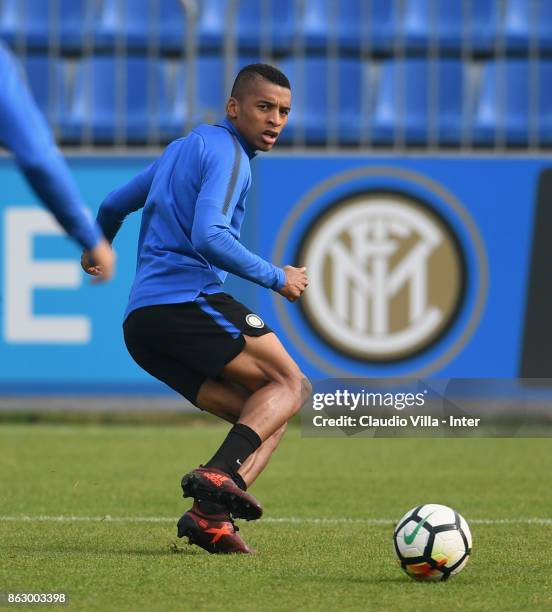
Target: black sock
240, 442
236, 477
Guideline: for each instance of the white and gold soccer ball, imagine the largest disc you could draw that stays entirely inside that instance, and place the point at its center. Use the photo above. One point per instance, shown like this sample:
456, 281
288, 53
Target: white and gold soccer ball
432, 542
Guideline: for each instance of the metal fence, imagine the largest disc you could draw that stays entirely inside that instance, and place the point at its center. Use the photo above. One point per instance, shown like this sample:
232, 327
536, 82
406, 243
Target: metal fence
398, 74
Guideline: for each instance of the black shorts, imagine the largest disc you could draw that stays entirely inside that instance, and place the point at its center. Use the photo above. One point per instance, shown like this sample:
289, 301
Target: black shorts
184, 344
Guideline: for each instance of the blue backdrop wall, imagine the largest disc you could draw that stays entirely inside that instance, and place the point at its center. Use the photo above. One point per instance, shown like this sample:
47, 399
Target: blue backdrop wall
417, 266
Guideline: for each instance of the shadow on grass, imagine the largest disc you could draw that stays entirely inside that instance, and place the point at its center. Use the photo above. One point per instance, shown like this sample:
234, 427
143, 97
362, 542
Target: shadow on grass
168, 551
404, 580
356, 580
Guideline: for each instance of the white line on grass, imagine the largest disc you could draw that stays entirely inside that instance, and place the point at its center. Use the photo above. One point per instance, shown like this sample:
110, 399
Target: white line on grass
290, 519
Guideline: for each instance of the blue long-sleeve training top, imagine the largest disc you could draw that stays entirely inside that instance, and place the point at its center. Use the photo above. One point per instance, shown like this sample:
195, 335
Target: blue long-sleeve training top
194, 203
23, 130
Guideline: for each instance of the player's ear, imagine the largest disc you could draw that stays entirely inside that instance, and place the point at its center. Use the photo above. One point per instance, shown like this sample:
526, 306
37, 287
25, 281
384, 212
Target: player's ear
232, 108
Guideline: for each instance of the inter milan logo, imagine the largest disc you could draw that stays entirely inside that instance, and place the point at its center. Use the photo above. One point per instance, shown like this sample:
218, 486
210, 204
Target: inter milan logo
387, 276
254, 321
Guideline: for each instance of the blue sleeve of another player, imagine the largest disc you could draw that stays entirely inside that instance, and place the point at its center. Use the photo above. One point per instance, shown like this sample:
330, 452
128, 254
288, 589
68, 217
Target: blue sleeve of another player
24, 131
211, 234
121, 202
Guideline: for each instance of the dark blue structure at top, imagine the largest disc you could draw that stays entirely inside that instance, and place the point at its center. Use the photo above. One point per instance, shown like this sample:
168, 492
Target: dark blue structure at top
388, 73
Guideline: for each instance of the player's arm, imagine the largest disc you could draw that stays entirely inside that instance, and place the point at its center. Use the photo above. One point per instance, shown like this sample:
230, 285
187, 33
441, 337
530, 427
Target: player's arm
24, 131
116, 207
211, 234
122, 201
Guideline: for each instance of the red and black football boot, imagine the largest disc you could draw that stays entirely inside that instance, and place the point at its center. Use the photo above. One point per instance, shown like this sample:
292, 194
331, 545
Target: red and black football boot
215, 533
214, 485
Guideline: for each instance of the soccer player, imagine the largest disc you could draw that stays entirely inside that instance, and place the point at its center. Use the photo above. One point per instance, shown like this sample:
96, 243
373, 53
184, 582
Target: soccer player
180, 326
24, 131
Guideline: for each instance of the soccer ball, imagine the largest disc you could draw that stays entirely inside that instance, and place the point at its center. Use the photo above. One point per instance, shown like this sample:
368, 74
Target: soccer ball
432, 542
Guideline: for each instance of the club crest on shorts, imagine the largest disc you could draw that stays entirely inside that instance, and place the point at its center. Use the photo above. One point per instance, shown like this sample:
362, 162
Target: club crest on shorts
254, 321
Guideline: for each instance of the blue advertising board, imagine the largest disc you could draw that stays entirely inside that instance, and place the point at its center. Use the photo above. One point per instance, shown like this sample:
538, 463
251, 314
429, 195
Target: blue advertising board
417, 265
346, 209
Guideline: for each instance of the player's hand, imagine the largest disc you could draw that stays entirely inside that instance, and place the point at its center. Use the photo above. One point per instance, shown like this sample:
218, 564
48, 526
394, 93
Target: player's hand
99, 262
296, 283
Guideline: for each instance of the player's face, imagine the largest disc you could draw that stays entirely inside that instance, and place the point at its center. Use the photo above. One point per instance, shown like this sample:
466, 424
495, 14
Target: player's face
261, 114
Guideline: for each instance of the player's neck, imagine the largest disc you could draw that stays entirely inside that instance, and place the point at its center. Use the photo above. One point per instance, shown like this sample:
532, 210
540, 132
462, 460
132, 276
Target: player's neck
231, 127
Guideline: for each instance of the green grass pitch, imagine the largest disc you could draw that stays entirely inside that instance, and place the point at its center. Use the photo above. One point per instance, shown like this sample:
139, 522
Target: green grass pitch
325, 541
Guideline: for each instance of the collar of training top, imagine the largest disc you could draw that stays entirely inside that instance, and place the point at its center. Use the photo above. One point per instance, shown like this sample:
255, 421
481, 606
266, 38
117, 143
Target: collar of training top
227, 124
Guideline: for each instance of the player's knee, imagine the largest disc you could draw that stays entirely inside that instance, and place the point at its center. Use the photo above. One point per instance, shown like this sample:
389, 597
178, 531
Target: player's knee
301, 389
295, 381
306, 389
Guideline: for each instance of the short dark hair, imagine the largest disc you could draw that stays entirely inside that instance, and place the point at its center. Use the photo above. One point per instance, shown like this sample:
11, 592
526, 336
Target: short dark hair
251, 72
